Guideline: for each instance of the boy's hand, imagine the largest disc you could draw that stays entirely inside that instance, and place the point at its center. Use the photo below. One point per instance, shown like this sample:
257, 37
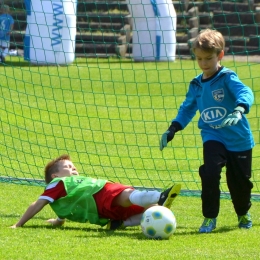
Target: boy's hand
33, 209
56, 222
167, 137
14, 226
232, 119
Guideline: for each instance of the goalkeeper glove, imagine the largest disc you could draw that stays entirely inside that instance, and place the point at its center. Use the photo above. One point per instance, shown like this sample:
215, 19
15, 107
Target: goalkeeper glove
232, 119
169, 134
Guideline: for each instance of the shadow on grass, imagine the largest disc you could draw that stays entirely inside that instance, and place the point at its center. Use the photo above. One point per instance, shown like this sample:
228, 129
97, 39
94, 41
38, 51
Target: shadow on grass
218, 230
49, 226
18, 216
91, 231
131, 232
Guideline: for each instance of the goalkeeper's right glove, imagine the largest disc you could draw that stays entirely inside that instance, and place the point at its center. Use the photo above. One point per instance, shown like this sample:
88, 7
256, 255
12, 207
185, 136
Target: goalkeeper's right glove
232, 119
169, 134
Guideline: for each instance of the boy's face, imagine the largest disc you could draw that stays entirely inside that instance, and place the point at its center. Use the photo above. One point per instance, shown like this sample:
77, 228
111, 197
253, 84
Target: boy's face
208, 61
66, 169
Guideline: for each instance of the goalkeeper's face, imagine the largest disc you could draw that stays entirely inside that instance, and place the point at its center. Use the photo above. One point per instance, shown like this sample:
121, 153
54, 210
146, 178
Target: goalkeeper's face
209, 62
66, 169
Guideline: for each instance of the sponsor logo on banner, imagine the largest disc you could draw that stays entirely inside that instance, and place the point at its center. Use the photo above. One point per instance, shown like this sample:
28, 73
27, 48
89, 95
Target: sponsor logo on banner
57, 24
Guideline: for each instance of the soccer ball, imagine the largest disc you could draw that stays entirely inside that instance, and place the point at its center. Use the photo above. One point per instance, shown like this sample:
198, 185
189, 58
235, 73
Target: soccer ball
158, 222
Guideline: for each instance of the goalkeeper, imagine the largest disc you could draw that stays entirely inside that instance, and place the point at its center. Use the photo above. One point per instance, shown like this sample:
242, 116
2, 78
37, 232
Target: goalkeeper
222, 100
98, 201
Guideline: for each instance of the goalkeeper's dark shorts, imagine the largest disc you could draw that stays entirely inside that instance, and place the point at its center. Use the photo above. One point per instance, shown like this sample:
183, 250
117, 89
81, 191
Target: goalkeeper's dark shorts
105, 197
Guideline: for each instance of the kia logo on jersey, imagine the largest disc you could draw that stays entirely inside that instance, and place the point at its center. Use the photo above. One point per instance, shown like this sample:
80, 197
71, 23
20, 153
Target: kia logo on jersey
218, 95
213, 114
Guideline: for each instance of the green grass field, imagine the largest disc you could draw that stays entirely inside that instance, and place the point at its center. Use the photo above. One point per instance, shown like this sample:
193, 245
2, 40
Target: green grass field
38, 240
109, 114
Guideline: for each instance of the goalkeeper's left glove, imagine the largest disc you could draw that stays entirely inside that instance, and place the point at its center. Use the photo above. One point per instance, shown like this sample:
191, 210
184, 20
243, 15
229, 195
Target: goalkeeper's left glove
232, 119
169, 134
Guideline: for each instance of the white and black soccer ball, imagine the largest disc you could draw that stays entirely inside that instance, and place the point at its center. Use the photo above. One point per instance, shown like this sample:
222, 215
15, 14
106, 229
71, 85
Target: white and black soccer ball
158, 222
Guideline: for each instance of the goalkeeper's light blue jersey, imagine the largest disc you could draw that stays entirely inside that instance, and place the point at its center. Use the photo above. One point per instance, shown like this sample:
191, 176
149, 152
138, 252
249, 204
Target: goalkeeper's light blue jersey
215, 98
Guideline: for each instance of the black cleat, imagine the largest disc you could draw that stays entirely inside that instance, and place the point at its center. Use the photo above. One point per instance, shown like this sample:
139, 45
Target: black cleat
169, 195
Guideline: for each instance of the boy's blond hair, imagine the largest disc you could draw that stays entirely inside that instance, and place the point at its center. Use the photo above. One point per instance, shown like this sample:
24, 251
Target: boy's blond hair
209, 41
53, 167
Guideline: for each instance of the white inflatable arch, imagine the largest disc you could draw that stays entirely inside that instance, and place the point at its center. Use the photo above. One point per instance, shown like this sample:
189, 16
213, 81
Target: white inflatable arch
154, 30
51, 31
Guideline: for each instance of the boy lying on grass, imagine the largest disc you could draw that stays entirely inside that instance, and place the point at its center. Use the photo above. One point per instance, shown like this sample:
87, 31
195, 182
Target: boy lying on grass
84, 199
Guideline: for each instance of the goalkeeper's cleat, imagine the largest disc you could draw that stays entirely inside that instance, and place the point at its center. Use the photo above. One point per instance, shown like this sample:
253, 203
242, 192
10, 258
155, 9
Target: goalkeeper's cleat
208, 225
169, 195
245, 221
115, 224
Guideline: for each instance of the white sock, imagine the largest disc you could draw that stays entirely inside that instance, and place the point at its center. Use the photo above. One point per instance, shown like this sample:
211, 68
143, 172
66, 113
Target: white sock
133, 221
144, 198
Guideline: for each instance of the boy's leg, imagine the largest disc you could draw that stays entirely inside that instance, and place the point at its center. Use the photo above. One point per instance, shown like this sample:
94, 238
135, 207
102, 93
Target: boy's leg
114, 202
108, 199
131, 196
214, 154
132, 221
238, 176
4, 53
147, 198
4, 49
165, 199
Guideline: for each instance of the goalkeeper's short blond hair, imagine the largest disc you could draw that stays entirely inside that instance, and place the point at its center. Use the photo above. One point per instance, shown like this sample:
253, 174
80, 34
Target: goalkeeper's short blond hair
209, 41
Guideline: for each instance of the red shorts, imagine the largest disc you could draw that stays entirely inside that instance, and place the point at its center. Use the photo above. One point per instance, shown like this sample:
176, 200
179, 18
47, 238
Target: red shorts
104, 199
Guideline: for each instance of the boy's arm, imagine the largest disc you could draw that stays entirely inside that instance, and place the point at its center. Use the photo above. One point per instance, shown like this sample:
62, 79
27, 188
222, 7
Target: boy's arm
33, 209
